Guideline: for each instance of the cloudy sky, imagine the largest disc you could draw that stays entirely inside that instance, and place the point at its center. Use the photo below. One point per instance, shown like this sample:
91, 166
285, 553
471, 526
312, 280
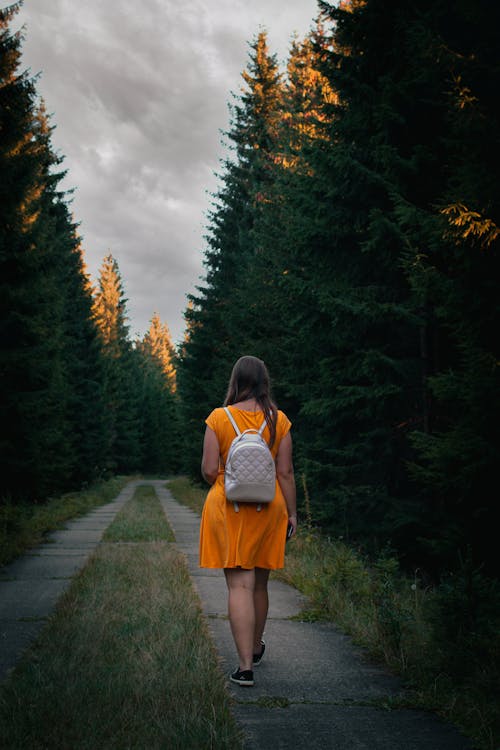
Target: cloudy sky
139, 93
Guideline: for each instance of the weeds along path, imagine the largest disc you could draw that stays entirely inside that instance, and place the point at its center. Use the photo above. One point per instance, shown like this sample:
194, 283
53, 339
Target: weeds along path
126, 658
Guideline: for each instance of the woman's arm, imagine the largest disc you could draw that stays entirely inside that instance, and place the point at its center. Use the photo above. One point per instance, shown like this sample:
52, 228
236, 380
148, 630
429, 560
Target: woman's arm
286, 478
210, 460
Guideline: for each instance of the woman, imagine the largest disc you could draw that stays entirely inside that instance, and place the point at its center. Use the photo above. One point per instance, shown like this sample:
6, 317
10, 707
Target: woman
250, 542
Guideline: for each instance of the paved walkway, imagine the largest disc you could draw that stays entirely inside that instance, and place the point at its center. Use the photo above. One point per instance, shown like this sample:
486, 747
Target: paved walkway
313, 689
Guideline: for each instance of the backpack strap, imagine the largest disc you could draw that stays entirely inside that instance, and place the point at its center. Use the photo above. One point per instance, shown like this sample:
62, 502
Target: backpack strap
236, 428
261, 430
238, 432
231, 419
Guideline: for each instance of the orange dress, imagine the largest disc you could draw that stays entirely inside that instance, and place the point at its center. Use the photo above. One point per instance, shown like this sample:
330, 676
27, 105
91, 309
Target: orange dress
249, 538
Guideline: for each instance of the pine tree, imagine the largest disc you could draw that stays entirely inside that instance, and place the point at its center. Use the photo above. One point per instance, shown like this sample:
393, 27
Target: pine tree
36, 455
110, 307
217, 316
157, 343
160, 436
85, 366
19, 159
121, 371
354, 322
278, 228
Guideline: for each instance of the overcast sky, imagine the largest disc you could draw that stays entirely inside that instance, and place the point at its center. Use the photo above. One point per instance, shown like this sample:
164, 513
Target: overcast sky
139, 94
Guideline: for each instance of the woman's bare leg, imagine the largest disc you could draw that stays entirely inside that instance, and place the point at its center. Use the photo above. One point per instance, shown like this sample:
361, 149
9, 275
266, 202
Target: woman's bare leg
241, 609
261, 606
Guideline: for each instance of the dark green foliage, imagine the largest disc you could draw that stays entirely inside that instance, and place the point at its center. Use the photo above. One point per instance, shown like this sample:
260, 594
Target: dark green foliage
457, 283
160, 438
467, 615
365, 347
161, 441
141, 407
85, 368
122, 374
37, 240
465, 648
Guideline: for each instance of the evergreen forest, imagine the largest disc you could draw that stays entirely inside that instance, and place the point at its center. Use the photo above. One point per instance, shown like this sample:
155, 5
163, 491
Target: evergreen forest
80, 399
353, 244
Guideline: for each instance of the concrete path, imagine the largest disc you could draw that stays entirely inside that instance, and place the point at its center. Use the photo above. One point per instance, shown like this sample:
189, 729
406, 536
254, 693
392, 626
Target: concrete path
313, 689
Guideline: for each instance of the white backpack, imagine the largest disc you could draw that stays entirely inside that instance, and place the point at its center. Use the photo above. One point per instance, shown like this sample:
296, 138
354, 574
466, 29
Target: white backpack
250, 471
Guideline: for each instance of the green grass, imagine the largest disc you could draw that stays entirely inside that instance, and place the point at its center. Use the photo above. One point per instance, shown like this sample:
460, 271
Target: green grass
186, 492
24, 525
397, 620
126, 661
141, 520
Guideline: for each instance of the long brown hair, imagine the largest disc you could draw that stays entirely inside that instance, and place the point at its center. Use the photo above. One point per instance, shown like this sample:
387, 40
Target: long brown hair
250, 379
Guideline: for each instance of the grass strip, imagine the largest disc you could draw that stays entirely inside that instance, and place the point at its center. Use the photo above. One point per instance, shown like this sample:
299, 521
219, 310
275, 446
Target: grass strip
140, 520
126, 661
187, 493
24, 525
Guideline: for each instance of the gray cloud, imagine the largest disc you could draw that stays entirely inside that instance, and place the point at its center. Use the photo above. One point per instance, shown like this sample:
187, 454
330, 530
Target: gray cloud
139, 95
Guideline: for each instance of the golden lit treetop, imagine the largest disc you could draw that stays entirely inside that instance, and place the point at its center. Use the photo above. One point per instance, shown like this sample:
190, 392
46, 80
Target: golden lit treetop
308, 99
109, 306
157, 342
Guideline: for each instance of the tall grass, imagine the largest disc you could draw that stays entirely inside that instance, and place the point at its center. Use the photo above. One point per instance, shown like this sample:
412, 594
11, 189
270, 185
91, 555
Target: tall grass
419, 631
126, 661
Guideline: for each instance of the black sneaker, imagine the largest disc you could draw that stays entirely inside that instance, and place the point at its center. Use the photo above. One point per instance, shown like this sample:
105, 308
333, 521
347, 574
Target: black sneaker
243, 677
257, 658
